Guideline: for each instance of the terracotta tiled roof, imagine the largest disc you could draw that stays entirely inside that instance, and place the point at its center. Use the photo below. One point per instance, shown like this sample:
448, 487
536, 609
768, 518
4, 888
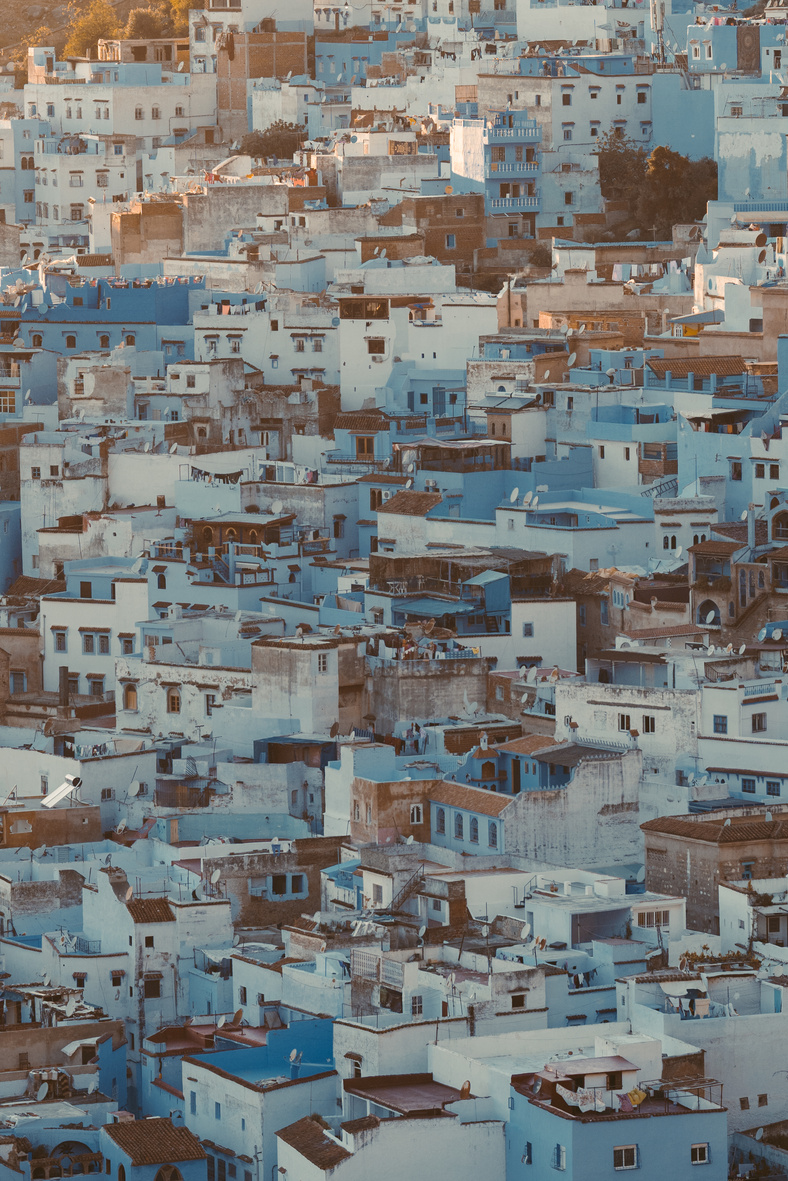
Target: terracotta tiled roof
362, 420
364, 1124
155, 1141
719, 833
737, 531
470, 799
309, 1138
411, 504
702, 366
580, 582
527, 744
150, 910
25, 586
652, 633
715, 547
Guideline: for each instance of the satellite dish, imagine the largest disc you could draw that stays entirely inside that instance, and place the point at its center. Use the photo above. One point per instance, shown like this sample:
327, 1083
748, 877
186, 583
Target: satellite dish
761, 240
679, 550
173, 448
777, 634
515, 492
761, 635
742, 650
121, 828
71, 1005
448, 190
710, 617
532, 675
411, 467
334, 729
759, 1134
547, 374
237, 1015
743, 515
221, 1021
465, 1089
422, 932
711, 650
581, 329
41, 1093
40, 851
641, 874
127, 897
134, 788
527, 499
485, 930
535, 502
762, 256
277, 507
217, 873
572, 358
526, 931
293, 1055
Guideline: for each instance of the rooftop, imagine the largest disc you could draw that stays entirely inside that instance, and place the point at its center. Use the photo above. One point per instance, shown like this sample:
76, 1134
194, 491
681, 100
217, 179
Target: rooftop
155, 1141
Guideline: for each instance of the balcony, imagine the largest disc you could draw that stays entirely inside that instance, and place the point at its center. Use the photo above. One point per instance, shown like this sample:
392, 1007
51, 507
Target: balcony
512, 204
518, 168
521, 132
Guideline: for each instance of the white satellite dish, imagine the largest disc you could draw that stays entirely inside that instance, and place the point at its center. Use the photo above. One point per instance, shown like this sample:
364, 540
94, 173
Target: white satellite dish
527, 499
217, 873
641, 874
173, 448
71, 1005
547, 374
525, 932
679, 551
515, 492
277, 507
761, 635
127, 897
532, 675
121, 827
743, 516
759, 1134
710, 617
422, 932
134, 788
711, 649
93, 1086
777, 634
571, 360
742, 650
535, 503
221, 1021
41, 1093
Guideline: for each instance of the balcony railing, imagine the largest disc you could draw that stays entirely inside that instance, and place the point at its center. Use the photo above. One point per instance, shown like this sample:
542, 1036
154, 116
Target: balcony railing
517, 168
88, 946
514, 133
514, 203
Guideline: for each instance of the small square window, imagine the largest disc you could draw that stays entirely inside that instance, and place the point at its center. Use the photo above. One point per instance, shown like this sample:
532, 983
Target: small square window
149, 941
528, 629
763, 1100
699, 1154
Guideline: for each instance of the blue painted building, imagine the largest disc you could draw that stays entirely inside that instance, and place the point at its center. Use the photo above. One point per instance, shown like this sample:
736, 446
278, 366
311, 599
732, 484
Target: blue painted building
466, 819
152, 1150
501, 158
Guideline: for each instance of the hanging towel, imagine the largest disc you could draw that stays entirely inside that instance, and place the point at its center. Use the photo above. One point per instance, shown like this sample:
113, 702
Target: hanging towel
702, 1007
636, 1096
624, 1103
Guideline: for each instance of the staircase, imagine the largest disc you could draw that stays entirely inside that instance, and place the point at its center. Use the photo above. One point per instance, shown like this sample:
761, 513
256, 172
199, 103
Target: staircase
409, 889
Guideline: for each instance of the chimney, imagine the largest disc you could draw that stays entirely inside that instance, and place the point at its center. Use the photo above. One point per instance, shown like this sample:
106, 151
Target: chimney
63, 686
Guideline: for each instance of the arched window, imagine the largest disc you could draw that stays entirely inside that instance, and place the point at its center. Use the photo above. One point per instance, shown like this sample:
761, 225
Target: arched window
253, 537
761, 581
130, 697
695, 539
121, 1173
104, 341
207, 535
415, 814
173, 701
231, 535
474, 831
673, 541
38, 340
708, 613
71, 342
459, 827
666, 541
492, 835
440, 820
780, 527
24, 163
161, 582
169, 1173
130, 338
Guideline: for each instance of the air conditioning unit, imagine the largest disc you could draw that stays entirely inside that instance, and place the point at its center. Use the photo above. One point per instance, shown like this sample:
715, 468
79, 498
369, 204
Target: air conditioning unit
386, 494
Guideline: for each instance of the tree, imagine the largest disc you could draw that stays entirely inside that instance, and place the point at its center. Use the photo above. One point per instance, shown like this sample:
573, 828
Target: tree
88, 26
179, 11
660, 190
145, 23
280, 140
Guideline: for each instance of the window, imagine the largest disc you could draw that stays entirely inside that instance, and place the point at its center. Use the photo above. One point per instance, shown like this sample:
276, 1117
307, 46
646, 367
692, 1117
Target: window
138, 113
626, 454
720, 724
603, 612
744, 1104
60, 641
451, 241
152, 988
748, 786
559, 1157
774, 471
528, 629
601, 453
492, 835
242, 995
624, 722
736, 470
772, 787
699, 1154
173, 701
760, 471
518, 1000
569, 198
103, 645
649, 724
217, 1111
747, 870
567, 134
18, 681
416, 1006
416, 814
376, 346
88, 643
759, 723
625, 1157
566, 98
474, 831
459, 826
581, 614
322, 662
126, 646
193, 1104
440, 820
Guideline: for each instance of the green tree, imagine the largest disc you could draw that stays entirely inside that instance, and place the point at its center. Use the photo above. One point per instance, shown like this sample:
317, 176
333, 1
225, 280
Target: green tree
280, 140
179, 12
622, 167
146, 23
88, 26
676, 189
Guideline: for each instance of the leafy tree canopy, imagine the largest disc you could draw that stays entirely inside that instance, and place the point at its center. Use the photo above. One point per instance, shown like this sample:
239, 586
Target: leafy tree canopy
280, 140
